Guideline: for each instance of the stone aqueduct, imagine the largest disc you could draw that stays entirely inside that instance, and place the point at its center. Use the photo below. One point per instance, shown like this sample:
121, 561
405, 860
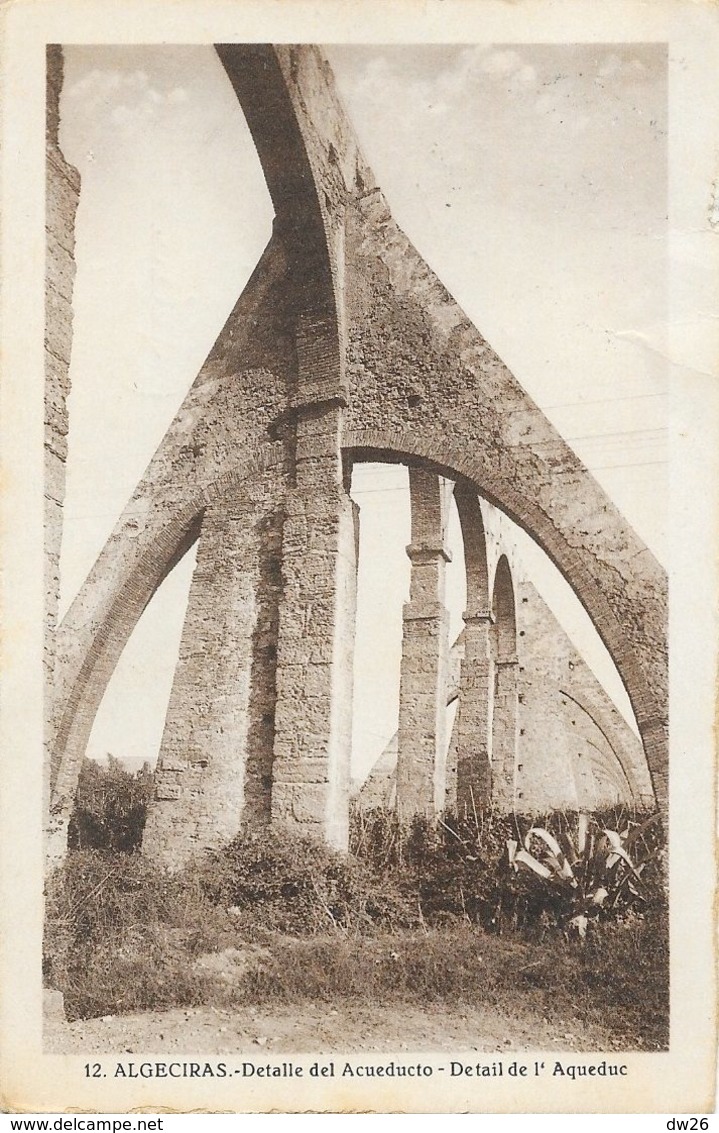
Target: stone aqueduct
343, 347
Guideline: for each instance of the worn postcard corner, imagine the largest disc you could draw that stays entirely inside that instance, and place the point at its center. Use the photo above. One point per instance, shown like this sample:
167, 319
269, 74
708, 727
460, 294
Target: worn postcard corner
359, 557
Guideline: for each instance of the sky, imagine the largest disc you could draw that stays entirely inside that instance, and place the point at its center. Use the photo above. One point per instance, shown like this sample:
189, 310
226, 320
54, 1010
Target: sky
532, 178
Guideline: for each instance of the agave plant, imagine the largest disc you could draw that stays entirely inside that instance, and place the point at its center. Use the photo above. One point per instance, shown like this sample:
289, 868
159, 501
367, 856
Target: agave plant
595, 872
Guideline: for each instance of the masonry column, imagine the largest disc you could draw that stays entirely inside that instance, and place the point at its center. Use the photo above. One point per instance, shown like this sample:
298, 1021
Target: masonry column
313, 719
422, 739
62, 195
504, 732
214, 773
474, 714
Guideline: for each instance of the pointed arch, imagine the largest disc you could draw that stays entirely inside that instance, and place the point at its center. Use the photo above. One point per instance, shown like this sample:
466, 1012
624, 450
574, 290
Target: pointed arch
630, 619
504, 612
505, 722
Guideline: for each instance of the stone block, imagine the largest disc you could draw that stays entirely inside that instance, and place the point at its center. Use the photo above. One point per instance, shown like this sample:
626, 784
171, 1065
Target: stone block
171, 763
309, 803
303, 769
167, 791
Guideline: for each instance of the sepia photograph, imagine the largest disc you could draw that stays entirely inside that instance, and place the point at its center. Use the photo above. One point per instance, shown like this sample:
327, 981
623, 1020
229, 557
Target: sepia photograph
363, 537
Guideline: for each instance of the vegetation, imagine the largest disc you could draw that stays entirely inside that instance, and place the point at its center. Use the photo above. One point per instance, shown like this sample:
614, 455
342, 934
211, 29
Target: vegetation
476, 910
590, 873
110, 806
471, 869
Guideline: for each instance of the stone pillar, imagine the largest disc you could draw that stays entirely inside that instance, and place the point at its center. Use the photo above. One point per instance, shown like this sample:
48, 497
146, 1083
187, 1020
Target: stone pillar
313, 722
62, 184
214, 773
504, 732
474, 714
422, 740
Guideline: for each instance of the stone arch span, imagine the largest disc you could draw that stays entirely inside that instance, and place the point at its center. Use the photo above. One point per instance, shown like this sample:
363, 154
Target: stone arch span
104, 646
306, 145
626, 604
475, 547
272, 382
413, 363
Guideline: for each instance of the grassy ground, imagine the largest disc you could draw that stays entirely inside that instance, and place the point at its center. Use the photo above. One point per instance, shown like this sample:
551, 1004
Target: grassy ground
425, 921
604, 982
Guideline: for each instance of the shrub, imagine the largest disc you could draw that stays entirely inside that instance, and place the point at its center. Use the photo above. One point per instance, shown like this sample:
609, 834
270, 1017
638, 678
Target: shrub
119, 932
617, 982
417, 967
277, 882
133, 973
456, 868
122, 934
110, 807
452, 869
588, 872
404, 919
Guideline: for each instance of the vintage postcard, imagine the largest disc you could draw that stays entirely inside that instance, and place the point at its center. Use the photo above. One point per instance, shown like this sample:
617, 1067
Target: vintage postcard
359, 556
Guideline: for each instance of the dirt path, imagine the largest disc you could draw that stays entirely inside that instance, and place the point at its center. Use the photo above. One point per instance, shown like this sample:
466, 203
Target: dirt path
320, 1029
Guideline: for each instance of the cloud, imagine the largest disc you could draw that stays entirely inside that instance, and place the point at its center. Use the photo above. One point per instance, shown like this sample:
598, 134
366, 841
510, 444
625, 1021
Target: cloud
99, 84
509, 65
621, 68
122, 115
124, 97
475, 63
501, 62
611, 66
523, 127
448, 86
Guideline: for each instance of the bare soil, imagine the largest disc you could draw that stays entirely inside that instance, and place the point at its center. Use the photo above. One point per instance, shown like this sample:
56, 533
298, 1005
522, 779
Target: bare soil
318, 1028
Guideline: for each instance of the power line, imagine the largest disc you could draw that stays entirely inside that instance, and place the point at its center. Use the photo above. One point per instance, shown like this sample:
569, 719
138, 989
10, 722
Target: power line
376, 491
592, 468
597, 401
635, 464
617, 433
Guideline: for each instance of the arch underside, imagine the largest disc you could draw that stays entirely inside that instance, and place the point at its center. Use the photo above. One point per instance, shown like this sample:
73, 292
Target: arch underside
504, 611
562, 677
125, 578
631, 649
146, 574
343, 320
